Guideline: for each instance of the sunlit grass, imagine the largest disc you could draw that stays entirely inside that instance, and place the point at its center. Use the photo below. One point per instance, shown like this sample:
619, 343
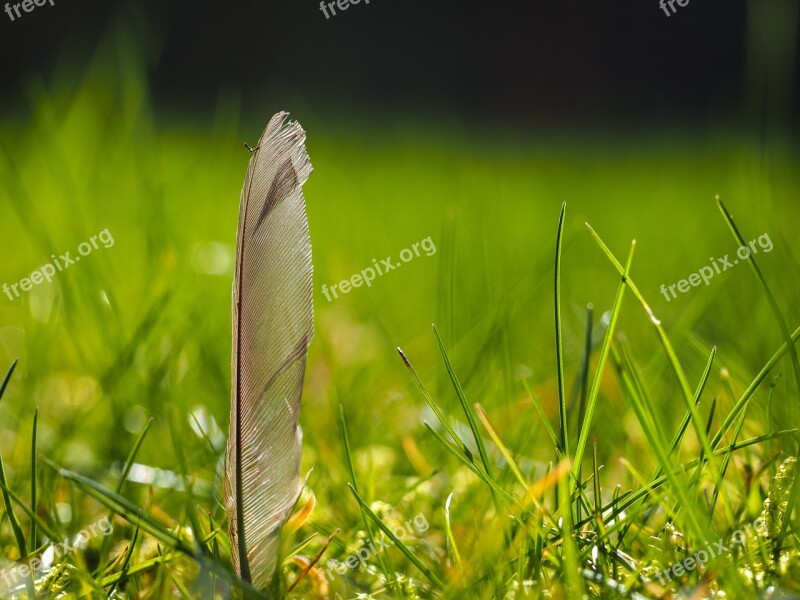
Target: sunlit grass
672, 406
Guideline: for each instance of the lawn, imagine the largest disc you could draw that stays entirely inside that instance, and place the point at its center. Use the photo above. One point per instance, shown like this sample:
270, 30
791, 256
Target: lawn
126, 356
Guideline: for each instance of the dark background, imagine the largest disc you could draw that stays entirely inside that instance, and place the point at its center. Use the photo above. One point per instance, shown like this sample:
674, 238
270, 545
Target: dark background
616, 63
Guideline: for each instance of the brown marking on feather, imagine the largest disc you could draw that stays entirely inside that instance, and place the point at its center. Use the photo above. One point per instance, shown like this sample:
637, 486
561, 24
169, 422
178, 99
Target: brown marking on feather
298, 352
285, 183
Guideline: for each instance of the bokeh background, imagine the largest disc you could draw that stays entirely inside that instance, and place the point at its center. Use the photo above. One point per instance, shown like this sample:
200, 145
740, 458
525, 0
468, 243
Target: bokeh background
469, 123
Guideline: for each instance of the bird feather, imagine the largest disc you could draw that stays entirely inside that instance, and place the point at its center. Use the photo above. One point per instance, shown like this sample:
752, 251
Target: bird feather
273, 325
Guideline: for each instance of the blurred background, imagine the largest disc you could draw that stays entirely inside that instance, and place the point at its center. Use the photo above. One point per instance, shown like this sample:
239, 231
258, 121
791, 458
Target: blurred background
469, 123
613, 66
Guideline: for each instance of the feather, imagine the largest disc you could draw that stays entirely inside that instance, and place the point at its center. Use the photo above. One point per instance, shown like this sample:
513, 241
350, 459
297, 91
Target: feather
273, 324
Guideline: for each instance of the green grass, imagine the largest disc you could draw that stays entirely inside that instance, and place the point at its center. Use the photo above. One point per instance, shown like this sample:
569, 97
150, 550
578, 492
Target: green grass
548, 448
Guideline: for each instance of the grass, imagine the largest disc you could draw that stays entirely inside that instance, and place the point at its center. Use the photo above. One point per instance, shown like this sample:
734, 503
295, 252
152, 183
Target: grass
663, 427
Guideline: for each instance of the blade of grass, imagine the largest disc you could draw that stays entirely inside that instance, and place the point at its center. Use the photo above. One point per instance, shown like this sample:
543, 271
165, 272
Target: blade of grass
773, 303
632, 498
687, 394
215, 557
709, 423
34, 431
473, 425
501, 446
597, 497
562, 396
470, 465
149, 524
299, 548
538, 406
123, 572
656, 442
787, 337
751, 389
126, 469
598, 500
203, 433
681, 431
452, 547
397, 541
594, 393
682, 428
197, 528
19, 536
587, 356
768, 406
125, 508
42, 526
726, 380
583, 382
534, 497
435, 407
16, 529
141, 567
398, 497
388, 571
7, 378
569, 555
